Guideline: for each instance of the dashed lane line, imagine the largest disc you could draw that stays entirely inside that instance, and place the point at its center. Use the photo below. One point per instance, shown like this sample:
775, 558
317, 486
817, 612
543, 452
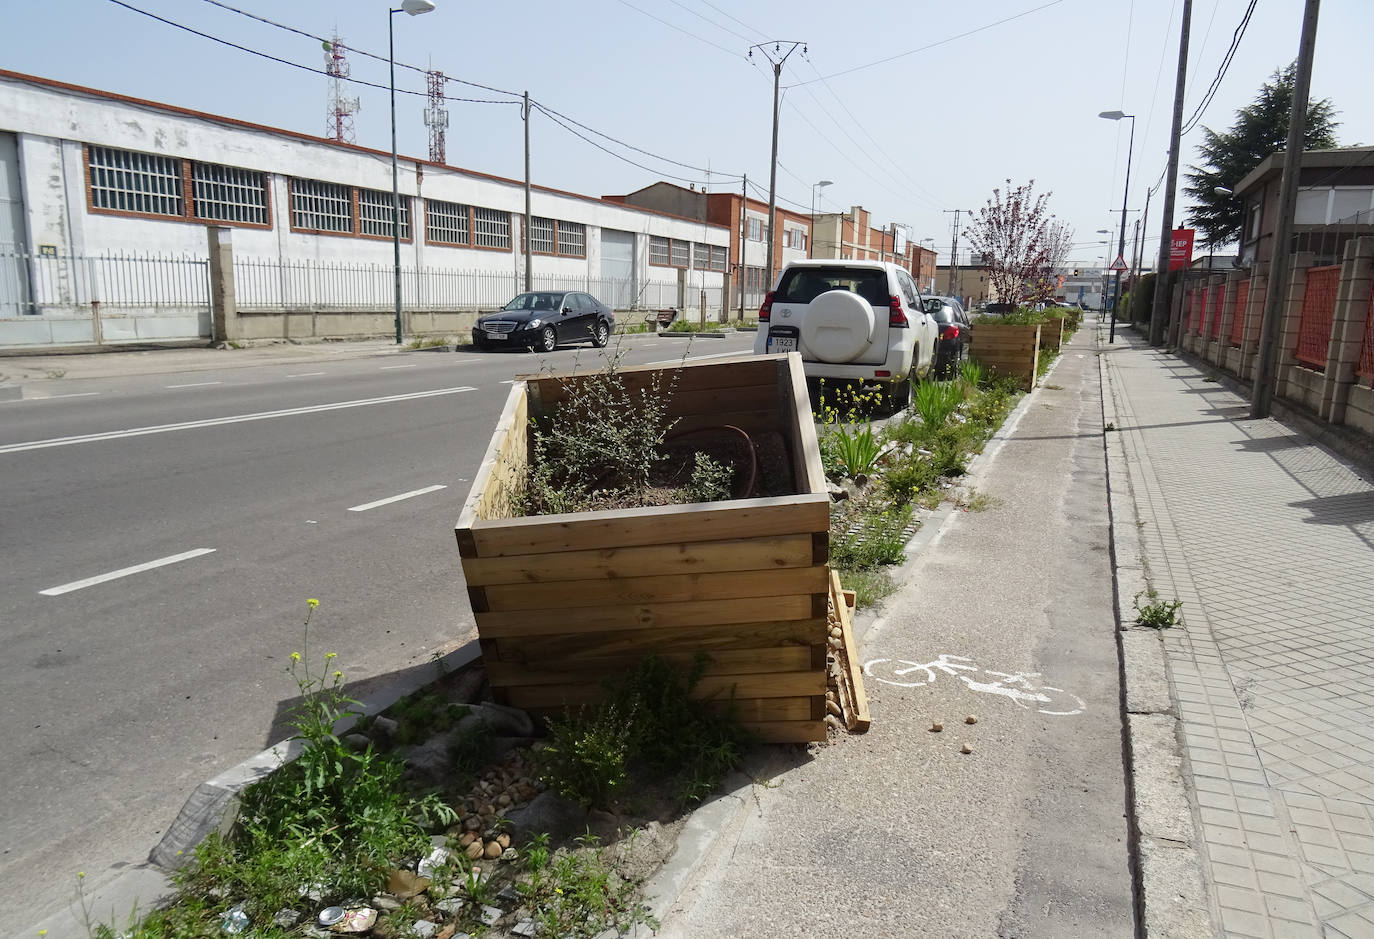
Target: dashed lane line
125, 572
390, 499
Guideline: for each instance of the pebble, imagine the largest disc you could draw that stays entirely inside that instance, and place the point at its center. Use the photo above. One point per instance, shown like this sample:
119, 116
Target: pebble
966, 749
474, 849
424, 928
833, 708
491, 914
388, 904
510, 854
451, 905
468, 838
503, 840
836, 632
971, 719
526, 927
493, 850
936, 727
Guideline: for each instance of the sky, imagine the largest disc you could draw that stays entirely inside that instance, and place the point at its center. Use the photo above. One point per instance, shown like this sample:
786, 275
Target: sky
911, 108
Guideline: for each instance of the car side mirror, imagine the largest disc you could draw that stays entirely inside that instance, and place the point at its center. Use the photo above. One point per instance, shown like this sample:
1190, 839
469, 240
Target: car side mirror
565, 310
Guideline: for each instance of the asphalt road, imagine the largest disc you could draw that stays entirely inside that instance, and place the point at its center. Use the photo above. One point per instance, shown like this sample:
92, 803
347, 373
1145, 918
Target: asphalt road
234, 494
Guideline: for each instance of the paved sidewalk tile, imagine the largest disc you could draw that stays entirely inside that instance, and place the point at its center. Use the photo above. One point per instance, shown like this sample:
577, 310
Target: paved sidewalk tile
1269, 542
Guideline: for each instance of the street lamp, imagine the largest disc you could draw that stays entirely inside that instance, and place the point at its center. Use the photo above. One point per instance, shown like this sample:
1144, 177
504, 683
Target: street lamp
1121, 244
412, 8
811, 238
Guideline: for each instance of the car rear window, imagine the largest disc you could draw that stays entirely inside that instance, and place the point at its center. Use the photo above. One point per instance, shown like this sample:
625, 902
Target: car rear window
804, 284
940, 311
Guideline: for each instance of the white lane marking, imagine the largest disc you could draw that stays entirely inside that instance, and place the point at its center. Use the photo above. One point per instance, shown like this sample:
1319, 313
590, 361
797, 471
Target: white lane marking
508, 381
405, 495
195, 384
75, 394
235, 419
387, 368
305, 375
695, 358
125, 572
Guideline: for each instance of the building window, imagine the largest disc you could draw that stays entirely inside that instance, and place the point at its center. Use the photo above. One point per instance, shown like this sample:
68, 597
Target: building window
541, 235
135, 182
375, 211
317, 206
719, 258
659, 251
701, 257
681, 253
755, 230
446, 223
229, 194
491, 229
572, 239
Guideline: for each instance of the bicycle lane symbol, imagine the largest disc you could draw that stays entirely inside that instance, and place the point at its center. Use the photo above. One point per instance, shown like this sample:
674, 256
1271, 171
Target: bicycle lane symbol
1021, 687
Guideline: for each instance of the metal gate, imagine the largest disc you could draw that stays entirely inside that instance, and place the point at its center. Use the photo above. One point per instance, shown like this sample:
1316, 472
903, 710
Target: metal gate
618, 268
1318, 310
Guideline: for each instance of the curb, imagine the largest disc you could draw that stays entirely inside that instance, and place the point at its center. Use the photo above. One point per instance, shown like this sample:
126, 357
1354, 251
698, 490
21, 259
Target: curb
704, 334
1166, 857
143, 886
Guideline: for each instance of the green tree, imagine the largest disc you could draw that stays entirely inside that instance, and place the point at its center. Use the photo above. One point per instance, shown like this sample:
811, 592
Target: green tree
1261, 128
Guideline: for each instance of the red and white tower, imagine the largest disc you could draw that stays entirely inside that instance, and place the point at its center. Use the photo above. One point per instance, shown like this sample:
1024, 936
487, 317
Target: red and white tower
341, 108
436, 115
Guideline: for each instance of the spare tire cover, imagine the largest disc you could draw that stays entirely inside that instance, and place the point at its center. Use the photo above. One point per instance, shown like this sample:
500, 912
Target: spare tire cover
838, 326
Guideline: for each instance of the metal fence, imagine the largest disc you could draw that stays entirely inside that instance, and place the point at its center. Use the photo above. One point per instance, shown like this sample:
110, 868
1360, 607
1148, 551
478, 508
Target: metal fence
1318, 308
33, 284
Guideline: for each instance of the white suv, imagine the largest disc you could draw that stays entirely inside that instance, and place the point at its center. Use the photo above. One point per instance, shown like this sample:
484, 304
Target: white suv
855, 320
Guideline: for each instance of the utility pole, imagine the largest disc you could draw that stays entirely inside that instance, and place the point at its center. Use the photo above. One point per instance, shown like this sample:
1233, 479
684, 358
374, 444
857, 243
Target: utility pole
1144, 225
773, 166
954, 250
743, 230
529, 257
1159, 312
1277, 291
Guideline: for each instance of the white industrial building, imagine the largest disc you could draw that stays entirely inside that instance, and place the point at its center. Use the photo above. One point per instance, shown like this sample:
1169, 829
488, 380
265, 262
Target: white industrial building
106, 202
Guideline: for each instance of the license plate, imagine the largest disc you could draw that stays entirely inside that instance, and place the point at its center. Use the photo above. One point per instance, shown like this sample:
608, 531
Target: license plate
492, 335
782, 343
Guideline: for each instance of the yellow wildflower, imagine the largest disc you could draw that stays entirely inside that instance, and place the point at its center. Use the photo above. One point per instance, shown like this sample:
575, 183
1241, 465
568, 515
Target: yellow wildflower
295, 656
312, 603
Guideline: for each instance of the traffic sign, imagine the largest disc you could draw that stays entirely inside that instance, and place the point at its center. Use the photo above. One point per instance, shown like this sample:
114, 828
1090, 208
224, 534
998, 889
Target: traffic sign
1119, 264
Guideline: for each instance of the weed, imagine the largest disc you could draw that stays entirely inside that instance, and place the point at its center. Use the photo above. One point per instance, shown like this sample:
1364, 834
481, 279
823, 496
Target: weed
1053, 387
853, 452
903, 482
578, 894
972, 375
430, 342
710, 481
936, 401
869, 586
1156, 613
980, 501
1111, 426
878, 539
1044, 361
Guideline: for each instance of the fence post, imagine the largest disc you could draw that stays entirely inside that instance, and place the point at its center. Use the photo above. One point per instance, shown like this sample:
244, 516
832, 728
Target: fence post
224, 313
1290, 320
1253, 313
681, 289
1227, 313
1347, 327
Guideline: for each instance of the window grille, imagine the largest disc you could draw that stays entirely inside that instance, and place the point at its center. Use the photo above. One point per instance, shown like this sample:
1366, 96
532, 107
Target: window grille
491, 229
317, 206
374, 213
755, 230
572, 239
681, 253
541, 235
135, 182
719, 258
701, 257
658, 251
447, 222
229, 194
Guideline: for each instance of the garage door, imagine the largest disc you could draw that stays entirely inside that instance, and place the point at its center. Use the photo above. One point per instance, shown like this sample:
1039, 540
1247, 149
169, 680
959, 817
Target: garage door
618, 268
14, 273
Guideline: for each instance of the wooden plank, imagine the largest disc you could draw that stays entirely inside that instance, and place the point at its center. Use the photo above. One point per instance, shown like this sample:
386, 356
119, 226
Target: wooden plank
568, 648
787, 731
756, 710
663, 588
746, 369
719, 521
717, 687
592, 670
807, 468
642, 616
701, 557
734, 397
857, 717
507, 447
752, 422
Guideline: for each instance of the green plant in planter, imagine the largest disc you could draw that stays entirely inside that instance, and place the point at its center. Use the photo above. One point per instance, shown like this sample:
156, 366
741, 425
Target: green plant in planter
854, 451
936, 401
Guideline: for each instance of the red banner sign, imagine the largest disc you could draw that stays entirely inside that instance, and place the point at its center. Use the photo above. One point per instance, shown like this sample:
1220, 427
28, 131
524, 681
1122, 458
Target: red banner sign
1181, 249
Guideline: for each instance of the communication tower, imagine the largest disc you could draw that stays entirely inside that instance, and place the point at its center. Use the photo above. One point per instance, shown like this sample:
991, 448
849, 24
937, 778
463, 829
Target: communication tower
436, 115
341, 108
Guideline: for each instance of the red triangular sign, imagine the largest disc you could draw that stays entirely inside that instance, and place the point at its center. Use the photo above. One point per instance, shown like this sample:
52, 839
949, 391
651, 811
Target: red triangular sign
1119, 264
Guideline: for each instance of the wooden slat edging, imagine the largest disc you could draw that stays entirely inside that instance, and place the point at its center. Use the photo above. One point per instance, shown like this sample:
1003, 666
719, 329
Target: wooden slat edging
512, 419
857, 717
787, 731
806, 454
548, 651
612, 619
592, 670
759, 368
717, 687
663, 588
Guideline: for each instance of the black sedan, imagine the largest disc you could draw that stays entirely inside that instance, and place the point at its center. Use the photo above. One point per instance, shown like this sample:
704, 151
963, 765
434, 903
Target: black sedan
956, 331
544, 320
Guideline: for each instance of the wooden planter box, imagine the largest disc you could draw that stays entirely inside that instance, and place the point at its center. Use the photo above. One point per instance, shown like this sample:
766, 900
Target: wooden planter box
1052, 333
1008, 350
565, 601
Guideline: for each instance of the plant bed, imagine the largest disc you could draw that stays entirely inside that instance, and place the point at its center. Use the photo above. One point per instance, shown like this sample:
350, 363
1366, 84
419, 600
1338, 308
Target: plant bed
565, 601
1009, 349
1052, 333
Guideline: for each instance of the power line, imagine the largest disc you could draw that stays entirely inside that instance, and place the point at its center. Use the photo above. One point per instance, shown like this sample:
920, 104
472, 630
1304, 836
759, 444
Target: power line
707, 19
550, 115
688, 166
723, 13
933, 45
685, 32
1221, 72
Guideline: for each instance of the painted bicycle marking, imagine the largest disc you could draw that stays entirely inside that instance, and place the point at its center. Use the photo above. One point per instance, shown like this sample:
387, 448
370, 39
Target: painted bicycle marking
1021, 687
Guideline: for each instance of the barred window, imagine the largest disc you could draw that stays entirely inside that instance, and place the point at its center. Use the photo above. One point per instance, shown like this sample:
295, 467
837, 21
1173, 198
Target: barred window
681, 253
701, 256
658, 250
317, 206
720, 258
375, 211
491, 229
541, 235
447, 222
229, 194
755, 230
572, 239
135, 182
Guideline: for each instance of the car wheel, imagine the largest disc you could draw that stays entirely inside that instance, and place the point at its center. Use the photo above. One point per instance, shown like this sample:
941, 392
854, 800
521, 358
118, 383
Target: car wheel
548, 340
897, 395
601, 334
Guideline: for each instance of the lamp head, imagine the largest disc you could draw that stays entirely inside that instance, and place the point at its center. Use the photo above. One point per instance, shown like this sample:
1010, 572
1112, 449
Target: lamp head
823, 183
416, 7
1114, 115
1221, 191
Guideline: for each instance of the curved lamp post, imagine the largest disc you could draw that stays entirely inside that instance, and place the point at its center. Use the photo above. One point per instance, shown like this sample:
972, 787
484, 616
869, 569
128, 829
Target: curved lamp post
1121, 244
811, 236
413, 8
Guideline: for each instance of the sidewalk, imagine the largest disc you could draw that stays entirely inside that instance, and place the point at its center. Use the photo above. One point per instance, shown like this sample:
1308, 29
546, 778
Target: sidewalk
1266, 538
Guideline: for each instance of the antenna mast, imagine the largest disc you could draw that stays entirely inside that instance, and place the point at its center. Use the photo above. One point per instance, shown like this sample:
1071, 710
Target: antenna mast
341, 108
436, 115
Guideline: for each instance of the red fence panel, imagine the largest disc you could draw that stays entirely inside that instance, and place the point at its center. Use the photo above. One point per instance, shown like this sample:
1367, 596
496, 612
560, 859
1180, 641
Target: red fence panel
1318, 310
1218, 297
1238, 319
1190, 305
1366, 367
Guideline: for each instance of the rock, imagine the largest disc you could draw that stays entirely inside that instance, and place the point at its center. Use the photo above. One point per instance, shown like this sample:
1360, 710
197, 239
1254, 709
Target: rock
509, 894
385, 903
836, 632
510, 854
966, 749
357, 742
438, 841
467, 686
492, 850
433, 760
424, 928
503, 840
385, 727
834, 708
504, 800
451, 905
474, 849
504, 721
435, 858
526, 927
832, 721
467, 838
837, 493
971, 719
472, 823
936, 727
491, 915
547, 812
286, 918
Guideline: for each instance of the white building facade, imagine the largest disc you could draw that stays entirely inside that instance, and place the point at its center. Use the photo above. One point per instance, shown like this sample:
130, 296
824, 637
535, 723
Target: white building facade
106, 202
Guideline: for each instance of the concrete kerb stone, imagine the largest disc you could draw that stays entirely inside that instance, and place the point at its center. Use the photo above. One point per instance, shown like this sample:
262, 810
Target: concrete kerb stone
1171, 888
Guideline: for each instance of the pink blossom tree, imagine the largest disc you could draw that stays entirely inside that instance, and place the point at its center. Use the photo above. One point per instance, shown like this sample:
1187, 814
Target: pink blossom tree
1019, 241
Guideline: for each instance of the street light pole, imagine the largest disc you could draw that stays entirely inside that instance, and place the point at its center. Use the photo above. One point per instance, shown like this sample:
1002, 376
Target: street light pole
411, 8
811, 237
1121, 242
773, 166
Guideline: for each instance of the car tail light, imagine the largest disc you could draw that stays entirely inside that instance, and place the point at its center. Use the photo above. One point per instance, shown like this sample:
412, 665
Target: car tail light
882, 373
896, 316
949, 332
766, 309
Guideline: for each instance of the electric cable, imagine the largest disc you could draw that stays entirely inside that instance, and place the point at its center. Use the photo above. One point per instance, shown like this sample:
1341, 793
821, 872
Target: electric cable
1226, 60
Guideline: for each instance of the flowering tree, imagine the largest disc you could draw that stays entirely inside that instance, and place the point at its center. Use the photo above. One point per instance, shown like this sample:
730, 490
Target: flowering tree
1018, 241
